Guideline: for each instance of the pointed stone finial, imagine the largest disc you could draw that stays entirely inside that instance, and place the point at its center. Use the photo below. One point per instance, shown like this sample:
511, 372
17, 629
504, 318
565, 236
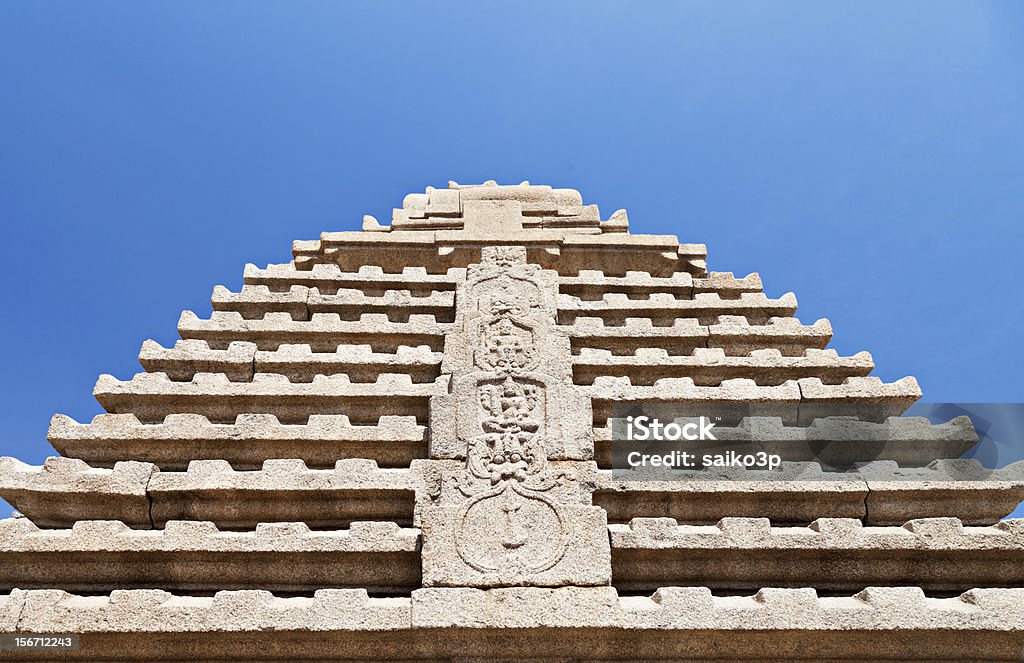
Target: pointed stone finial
618, 223
371, 225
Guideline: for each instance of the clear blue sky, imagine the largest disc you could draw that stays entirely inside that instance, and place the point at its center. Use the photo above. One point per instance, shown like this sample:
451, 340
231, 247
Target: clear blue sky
867, 155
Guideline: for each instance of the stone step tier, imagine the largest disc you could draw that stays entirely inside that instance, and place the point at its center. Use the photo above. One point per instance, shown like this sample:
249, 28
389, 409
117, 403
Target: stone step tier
878, 623
832, 554
876, 493
664, 309
736, 554
195, 556
907, 441
588, 284
710, 366
242, 360
394, 441
371, 280
154, 396
255, 301
324, 332
594, 285
796, 402
732, 333
440, 251
65, 490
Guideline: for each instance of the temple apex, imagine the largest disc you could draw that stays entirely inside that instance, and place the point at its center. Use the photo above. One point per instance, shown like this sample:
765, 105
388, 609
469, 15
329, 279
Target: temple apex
514, 207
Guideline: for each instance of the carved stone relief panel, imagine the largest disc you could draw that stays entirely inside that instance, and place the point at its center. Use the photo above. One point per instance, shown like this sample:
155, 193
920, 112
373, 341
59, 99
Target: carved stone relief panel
505, 328
510, 508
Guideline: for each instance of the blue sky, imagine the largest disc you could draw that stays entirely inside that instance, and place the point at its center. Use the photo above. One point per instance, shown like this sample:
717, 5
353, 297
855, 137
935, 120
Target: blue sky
866, 155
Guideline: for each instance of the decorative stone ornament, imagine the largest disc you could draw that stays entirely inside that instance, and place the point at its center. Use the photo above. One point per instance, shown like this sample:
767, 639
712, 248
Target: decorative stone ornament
507, 516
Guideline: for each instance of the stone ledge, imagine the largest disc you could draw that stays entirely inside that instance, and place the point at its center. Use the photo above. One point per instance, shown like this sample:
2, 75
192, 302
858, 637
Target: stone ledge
21, 536
670, 608
320, 427
909, 441
771, 401
572, 623
707, 307
218, 384
241, 361
880, 493
395, 441
836, 554
328, 278
246, 443
593, 284
255, 301
710, 366
323, 331
393, 298
102, 555
67, 490
727, 282
159, 611
566, 250
797, 402
644, 327
64, 490
595, 281
154, 396
738, 336
192, 356
822, 534
875, 608
734, 334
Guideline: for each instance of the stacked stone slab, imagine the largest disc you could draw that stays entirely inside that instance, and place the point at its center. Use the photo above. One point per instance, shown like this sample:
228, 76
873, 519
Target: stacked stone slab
398, 447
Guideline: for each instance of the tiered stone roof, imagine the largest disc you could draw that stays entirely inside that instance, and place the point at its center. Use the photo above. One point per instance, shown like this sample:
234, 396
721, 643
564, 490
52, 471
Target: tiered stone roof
398, 447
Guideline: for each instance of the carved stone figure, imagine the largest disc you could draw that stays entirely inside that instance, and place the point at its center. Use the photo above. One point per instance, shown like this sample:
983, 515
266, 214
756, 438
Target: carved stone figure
509, 514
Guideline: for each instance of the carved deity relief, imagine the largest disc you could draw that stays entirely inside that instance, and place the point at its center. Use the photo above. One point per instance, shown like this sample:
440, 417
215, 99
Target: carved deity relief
502, 513
505, 345
505, 330
512, 417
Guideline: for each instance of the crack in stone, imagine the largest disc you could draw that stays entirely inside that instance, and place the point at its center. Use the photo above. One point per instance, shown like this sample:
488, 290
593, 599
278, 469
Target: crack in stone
867, 494
149, 498
252, 375
21, 610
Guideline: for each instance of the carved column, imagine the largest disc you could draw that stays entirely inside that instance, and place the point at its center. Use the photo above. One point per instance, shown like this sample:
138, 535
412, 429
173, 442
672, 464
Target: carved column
509, 497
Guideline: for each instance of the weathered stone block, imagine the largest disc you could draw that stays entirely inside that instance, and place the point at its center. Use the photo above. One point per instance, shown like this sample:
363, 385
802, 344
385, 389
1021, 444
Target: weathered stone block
537, 531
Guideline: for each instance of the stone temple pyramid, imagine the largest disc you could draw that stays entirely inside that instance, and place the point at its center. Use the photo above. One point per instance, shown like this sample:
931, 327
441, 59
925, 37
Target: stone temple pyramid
398, 447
